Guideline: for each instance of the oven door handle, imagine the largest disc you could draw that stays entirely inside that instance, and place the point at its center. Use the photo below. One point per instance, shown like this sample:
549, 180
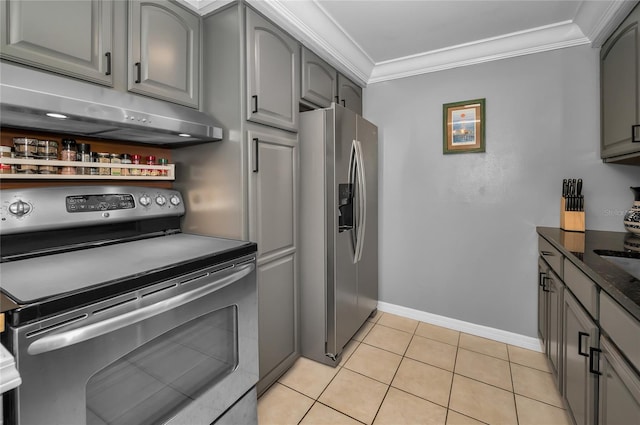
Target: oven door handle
74, 336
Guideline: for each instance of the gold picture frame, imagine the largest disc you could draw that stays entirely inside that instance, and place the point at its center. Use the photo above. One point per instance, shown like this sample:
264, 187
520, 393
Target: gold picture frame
464, 126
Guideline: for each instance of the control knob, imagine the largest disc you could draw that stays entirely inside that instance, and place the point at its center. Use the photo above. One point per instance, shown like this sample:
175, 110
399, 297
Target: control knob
19, 208
161, 200
145, 200
175, 200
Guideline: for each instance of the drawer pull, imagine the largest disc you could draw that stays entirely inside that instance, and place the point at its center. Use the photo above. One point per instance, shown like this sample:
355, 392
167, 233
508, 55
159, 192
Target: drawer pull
547, 253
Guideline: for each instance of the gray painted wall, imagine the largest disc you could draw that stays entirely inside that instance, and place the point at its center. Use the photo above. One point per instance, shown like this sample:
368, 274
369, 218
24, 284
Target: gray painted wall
457, 232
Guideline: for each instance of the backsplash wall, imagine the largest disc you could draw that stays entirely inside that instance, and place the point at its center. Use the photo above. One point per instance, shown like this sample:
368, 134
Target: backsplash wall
457, 232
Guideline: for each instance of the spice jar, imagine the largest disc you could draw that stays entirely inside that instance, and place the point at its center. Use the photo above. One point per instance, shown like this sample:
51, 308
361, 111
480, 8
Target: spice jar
135, 160
126, 159
47, 149
163, 161
48, 169
151, 160
5, 152
94, 170
116, 159
84, 155
69, 152
104, 158
25, 147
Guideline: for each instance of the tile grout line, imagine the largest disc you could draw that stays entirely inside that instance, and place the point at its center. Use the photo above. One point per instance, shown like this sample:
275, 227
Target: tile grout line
453, 375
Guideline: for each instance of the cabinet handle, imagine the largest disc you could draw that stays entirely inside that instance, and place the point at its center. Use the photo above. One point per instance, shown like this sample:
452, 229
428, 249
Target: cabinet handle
635, 133
592, 362
255, 103
580, 335
544, 286
547, 253
108, 55
256, 158
138, 73
344, 103
541, 278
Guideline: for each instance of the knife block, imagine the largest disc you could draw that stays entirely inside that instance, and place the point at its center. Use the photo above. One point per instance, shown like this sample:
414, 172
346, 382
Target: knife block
572, 221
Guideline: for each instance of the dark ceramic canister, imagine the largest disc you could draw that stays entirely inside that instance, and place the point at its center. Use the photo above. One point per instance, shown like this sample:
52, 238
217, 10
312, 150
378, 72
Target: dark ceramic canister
632, 217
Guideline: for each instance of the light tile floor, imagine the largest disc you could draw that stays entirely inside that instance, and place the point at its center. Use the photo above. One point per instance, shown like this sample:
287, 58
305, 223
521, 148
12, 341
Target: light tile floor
400, 371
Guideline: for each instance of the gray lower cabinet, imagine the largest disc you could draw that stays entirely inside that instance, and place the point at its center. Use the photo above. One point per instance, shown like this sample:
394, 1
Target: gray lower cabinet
164, 51
273, 89
349, 94
619, 390
273, 206
319, 81
620, 92
580, 341
74, 38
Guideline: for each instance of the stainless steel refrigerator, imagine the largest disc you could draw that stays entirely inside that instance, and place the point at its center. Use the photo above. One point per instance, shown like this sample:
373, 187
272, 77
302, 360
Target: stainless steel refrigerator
338, 229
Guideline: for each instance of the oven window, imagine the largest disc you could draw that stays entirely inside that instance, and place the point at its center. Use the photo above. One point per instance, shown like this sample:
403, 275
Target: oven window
153, 382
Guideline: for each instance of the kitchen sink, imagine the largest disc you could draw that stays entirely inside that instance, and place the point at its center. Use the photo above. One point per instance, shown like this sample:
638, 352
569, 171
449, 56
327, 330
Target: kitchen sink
628, 261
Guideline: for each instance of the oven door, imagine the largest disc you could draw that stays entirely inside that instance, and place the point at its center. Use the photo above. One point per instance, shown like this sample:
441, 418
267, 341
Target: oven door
181, 352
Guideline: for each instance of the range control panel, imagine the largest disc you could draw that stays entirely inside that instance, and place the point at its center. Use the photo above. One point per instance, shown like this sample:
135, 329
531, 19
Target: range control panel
30, 210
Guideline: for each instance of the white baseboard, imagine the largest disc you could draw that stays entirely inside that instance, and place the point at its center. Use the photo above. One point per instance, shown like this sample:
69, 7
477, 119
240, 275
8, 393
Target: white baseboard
462, 326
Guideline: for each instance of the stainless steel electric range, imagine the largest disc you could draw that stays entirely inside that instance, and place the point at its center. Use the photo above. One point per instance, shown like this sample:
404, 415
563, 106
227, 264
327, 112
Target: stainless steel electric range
121, 317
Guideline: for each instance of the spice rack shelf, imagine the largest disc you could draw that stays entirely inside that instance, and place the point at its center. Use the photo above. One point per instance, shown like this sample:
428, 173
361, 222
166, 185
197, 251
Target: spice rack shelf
168, 169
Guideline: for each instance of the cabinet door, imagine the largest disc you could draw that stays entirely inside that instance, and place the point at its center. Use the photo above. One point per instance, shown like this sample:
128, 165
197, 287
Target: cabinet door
273, 209
620, 88
164, 51
319, 80
349, 94
73, 38
554, 319
272, 74
543, 273
619, 393
580, 336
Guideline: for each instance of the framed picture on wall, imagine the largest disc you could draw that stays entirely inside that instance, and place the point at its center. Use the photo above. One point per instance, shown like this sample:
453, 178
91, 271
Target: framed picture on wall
463, 126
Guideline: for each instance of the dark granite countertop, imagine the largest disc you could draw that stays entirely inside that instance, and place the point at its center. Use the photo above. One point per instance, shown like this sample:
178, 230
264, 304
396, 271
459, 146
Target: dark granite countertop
620, 285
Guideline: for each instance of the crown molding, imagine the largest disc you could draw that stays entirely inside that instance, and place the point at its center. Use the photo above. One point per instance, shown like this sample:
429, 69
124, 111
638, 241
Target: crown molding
308, 22
599, 19
550, 37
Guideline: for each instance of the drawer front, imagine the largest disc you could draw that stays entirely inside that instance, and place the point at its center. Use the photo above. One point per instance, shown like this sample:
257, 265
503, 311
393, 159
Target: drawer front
583, 288
551, 255
621, 327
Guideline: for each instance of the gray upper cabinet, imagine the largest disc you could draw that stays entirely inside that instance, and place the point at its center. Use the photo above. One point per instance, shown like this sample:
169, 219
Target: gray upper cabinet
620, 92
349, 94
164, 51
33, 34
273, 89
319, 80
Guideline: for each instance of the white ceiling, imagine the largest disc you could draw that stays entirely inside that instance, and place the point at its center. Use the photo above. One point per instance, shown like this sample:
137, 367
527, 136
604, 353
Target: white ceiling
378, 40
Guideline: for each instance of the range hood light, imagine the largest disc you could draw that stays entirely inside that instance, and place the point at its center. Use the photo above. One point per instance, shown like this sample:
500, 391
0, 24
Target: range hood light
184, 135
58, 116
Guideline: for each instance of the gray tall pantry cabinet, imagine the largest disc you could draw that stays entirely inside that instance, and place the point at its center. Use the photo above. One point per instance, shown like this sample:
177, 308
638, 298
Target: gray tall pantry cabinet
246, 185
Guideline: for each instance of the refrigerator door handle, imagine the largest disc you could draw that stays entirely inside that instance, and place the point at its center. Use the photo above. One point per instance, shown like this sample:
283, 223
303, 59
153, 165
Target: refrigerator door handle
352, 187
362, 201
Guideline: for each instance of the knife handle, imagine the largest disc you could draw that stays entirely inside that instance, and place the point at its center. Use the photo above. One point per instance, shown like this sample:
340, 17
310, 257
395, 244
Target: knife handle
579, 187
565, 187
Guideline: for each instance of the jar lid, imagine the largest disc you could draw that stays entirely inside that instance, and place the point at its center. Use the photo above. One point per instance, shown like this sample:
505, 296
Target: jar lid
104, 154
24, 141
50, 143
163, 161
69, 143
84, 147
5, 149
115, 155
126, 156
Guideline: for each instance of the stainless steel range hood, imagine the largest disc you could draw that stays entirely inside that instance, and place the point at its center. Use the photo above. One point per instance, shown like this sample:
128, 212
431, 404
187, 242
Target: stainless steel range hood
27, 95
